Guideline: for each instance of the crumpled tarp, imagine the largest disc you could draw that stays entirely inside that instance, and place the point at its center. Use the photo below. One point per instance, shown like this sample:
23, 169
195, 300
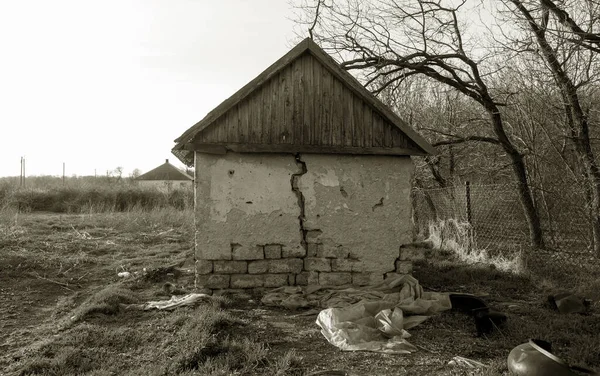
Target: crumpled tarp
371, 318
176, 301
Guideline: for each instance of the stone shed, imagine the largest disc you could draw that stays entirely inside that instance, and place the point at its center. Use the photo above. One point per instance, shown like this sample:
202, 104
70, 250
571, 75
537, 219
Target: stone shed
301, 177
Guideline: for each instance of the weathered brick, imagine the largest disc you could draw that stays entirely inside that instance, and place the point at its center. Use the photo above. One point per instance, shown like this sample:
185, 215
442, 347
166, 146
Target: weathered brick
403, 267
246, 281
213, 252
332, 251
212, 281
273, 251
292, 279
412, 254
275, 280
307, 278
343, 265
311, 249
204, 266
364, 267
335, 279
258, 267
317, 264
312, 236
287, 252
247, 253
291, 265
366, 279
230, 267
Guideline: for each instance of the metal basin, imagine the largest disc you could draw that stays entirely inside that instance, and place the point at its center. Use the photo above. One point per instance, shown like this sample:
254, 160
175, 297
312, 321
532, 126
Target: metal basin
530, 359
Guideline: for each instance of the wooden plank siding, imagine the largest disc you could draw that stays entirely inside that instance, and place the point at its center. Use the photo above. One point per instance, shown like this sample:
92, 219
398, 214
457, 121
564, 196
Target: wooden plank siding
297, 100
348, 116
326, 99
305, 104
317, 102
358, 131
307, 100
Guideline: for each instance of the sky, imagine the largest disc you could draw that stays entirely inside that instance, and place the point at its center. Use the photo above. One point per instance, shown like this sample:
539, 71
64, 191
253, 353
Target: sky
104, 84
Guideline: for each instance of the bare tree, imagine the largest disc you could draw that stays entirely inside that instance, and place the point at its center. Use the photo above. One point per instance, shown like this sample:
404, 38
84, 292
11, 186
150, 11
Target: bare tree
118, 173
389, 41
559, 45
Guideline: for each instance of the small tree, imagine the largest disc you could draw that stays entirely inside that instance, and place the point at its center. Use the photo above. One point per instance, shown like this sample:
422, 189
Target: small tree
118, 173
135, 174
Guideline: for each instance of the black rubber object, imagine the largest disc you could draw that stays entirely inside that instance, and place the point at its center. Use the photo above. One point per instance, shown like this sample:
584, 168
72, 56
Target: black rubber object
486, 319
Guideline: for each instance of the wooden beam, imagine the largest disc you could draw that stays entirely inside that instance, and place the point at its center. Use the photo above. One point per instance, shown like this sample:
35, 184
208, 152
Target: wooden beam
292, 149
207, 148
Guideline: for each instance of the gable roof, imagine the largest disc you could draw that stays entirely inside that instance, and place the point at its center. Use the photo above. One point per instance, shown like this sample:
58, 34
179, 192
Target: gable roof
184, 148
165, 171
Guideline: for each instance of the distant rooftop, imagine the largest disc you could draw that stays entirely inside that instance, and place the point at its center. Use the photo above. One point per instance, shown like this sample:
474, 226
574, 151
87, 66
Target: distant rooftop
165, 171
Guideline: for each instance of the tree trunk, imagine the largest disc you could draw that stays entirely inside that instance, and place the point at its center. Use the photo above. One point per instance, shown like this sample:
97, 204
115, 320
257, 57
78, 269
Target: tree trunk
580, 136
577, 122
525, 196
592, 176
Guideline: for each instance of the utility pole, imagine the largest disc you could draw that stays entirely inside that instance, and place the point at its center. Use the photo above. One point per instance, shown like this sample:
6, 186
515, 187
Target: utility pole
21, 174
63, 174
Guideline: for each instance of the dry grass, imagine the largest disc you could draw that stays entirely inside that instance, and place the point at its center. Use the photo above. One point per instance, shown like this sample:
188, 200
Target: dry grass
73, 310
523, 297
64, 309
457, 236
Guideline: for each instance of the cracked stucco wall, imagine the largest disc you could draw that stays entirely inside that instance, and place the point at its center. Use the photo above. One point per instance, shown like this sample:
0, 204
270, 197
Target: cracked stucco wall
245, 200
249, 211
361, 203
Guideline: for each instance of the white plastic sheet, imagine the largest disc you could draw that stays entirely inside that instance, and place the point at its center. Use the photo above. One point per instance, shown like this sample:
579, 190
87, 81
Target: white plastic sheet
371, 318
176, 301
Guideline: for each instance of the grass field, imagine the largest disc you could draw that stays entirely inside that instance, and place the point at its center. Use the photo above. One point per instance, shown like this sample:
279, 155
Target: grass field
64, 309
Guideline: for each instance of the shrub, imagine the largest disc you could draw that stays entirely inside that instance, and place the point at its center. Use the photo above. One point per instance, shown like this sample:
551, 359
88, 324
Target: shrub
94, 199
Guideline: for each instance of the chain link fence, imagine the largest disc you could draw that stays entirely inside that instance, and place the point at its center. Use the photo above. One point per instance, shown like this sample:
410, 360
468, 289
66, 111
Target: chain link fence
491, 218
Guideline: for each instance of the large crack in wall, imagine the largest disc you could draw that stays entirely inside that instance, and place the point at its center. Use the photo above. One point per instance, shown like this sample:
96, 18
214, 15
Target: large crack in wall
298, 192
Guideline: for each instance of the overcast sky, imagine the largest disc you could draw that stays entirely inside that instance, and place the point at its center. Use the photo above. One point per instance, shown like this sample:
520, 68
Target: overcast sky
100, 84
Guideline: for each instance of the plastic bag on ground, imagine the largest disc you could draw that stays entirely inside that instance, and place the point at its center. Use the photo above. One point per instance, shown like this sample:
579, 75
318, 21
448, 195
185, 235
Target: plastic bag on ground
371, 318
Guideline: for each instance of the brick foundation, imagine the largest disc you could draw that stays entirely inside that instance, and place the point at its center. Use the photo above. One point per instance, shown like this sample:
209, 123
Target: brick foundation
274, 265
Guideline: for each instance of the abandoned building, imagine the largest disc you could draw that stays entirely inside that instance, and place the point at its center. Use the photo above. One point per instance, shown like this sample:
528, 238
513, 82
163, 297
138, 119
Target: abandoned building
301, 177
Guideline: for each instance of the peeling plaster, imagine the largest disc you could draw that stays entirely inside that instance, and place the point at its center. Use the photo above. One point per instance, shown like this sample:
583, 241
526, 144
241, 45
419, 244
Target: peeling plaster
380, 203
252, 206
240, 184
372, 219
330, 206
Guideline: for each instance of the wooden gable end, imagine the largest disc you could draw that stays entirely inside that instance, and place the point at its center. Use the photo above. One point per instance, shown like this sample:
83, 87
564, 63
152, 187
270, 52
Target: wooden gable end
305, 107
